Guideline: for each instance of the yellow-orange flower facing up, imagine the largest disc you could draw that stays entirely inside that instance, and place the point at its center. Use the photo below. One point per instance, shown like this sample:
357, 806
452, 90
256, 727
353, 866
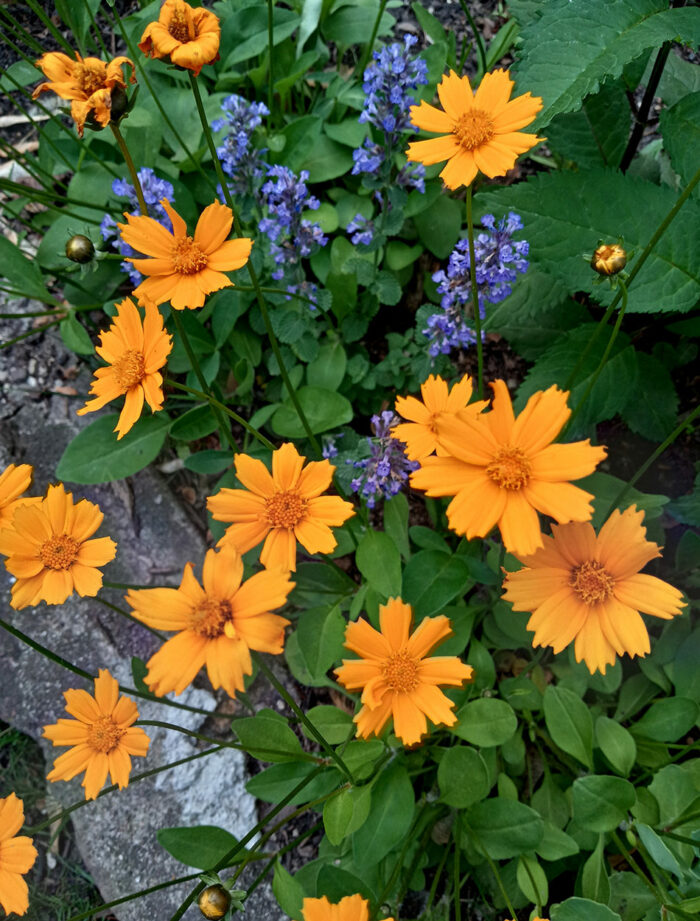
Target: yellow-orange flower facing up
14, 480
480, 131
589, 589
189, 37
398, 676
17, 856
102, 736
183, 269
281, 508
218, 623
134, 350
421, 433
350, 908
48, 551
502, 470
87, 82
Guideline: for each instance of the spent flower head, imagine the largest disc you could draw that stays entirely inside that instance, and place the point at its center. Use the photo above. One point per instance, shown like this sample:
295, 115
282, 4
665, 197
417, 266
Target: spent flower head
386, 470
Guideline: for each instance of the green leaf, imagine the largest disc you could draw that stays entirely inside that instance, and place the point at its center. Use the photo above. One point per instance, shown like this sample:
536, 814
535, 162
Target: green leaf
654, 410
378, 560
390, 817
630, 897
201, 846
299, 135
287, 891
601, 801
95, 455
667, 720
75, 336
595, 884
285, 22
354, 24
439, 226
486, 722
505, 828
310, 18
399, 255
328, 368
396, 523
680, 126
605, 204
321, 633
318, 584
674, 791
606, 37
597, 134
658, 850
456, 765
324, 410
556, 844
327, 159
617, 744
276, 782
194, 424
432, 579
686, 674
569, 723
347, 812
333, 724
22, 273
267, 736
532, 880
208, 462
582, 910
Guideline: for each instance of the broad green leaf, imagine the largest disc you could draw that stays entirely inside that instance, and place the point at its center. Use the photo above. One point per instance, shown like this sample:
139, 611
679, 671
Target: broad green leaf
396, 523
333, 723
569, 723
354, 24
605, 204
674, 791
686, 674
606, 36
267, 736
318, 584
346, 812
75, 336
597, 134
95, 455
327, 159
194, 424
654, 410
532, 880
327, 370
276, 782
601, 801
310, 18
556, 844
336, 883
284, 23
431, 580
321, 633
582, 910
439, 226
298, 136
486, 722
617, 744
360, 755
463, 777
324, 410
504, 828
208, 462
390, 817
595, 884
22, 274
659, 851
378, 560
667, 720
201, 846
680, 126
629, 897
551, 803
287, 891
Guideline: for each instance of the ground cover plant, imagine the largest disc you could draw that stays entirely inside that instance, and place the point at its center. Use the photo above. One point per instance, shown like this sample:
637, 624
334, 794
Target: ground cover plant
402, 303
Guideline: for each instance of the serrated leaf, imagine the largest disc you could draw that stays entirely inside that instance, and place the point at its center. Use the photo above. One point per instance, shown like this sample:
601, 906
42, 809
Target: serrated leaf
654, 410
597, 134
680, 126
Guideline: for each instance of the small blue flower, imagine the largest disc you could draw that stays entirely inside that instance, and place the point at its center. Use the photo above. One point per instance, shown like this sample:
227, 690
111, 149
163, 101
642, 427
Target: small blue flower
240, 159
362, 230
387, 468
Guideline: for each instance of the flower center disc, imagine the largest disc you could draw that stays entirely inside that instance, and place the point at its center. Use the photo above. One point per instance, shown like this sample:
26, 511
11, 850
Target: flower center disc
188, 258
59, 552
130, 369
510, 469
90, 79
473, 129
180, 27
591, 582
211, 618
285, 509
401, 672
104, 735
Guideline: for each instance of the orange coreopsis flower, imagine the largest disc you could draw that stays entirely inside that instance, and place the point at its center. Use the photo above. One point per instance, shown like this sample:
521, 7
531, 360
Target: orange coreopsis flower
102, 736
589, 589
281, 508
135, 350
183, 269
502, 470
87, 82
398, 677
48, 551
421, 433
14, 480
218, 623
189, 37
479, 130
17, 856
350, 908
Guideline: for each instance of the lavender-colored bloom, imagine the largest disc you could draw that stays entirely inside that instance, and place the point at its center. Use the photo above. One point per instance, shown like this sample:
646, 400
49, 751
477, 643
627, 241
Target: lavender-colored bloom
154, 189
240, 159
362, 230
330, 448
386, 470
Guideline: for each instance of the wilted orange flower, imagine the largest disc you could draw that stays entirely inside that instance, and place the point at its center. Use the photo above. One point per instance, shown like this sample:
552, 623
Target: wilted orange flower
87, 82
396, 675
351, 908
134, 351
281, 509
183, 269
17, 856
589, 589
502, 470
421, 433
48, 550
218, 624
480, 130
102, 736
14, 480
190, 37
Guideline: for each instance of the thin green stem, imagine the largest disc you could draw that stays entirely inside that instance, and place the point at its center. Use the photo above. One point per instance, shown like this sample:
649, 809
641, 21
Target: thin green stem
456, 898
50, 26
96, 29
30, 332
635, 866
494, 870
270, 54
477, 36
223, 408
475, 296
283, 850
134, 620
130, 166
367, 53
436, 877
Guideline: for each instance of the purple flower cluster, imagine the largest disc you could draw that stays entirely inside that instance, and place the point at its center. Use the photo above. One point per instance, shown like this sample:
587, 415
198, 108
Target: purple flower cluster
497, 262
240, 159
153, 190
362, 230
292, 237
386, 470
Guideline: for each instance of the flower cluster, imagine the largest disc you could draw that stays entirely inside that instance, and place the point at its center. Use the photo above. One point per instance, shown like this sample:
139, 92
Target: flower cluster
362, 230
387, 468
154, 189
240, 159
497, 259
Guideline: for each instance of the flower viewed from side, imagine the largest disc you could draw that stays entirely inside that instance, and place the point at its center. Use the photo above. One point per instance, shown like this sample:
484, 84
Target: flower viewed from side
421, 432
588, 589
398, 676
281, 509
480, 130
135, 351
350, 908
386, 470
609, 259
48, 551
17, 856
217, 623
14, 480
502, 470
188, 36
87, 82
183, 269
102, 736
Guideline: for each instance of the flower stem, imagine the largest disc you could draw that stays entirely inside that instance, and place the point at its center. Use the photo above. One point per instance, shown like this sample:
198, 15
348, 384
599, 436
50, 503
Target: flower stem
367, 53
270, 53
477, 36
135, 620
492, 864
130, 166
30, 332
475, 296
